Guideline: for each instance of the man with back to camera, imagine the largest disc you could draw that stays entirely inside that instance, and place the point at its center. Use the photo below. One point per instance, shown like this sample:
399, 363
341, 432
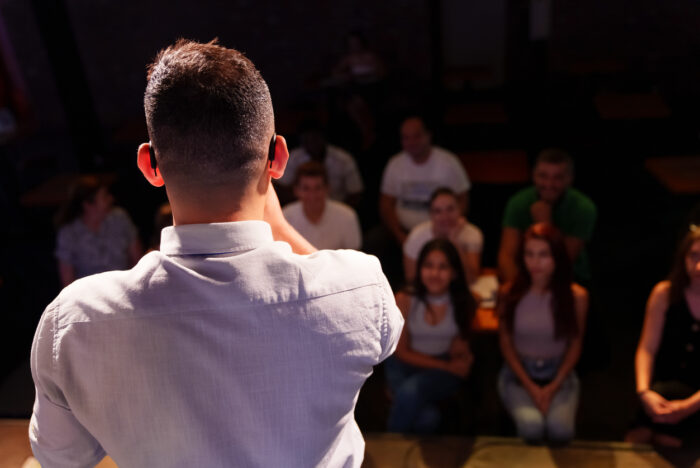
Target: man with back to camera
550, 199
235, 344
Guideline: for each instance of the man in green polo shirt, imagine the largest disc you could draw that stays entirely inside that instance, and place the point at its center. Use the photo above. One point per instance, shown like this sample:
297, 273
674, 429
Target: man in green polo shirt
551, 199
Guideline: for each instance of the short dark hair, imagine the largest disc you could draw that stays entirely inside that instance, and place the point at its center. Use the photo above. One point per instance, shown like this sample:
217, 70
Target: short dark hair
310, 169
209, 114
556, 156
442, 191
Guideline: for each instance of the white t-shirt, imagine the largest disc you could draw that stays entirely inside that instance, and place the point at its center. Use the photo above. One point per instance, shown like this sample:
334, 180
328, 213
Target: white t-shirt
470, 239
343, 177
338, 227
412, 184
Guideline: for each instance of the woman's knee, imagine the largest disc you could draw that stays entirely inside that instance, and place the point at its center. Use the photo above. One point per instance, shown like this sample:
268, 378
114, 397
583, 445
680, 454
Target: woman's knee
560, 429
530, 426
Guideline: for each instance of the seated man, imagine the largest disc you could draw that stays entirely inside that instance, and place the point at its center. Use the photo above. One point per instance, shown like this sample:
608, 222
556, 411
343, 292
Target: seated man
344, 180
411, 177
551, 200
237, 344
446, 223
327, 224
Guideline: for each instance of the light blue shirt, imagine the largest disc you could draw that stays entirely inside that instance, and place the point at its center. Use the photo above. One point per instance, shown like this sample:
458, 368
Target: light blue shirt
223, 349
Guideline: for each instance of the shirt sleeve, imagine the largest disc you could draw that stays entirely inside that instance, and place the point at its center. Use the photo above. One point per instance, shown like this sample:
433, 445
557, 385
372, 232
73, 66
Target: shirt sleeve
56, 436
458, 175
472, 238
516, 215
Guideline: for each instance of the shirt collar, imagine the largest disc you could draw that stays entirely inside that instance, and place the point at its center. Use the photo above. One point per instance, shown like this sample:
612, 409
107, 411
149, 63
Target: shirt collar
214, 238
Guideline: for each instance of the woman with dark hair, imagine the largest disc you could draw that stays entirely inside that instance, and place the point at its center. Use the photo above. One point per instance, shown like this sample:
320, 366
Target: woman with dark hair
667, 363
93, 235
432, 357
543, 314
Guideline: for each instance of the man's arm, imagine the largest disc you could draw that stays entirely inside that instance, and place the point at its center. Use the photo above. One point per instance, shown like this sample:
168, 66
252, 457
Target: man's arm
281, 229
507, 267
387, 209
56, 436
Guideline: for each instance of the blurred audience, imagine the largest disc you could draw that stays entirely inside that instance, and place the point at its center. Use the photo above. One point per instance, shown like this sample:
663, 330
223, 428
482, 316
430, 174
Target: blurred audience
93, 235
411, 177
433, 356
344, 180
326, 223
541, 330
667, 363
551, 199
446, 222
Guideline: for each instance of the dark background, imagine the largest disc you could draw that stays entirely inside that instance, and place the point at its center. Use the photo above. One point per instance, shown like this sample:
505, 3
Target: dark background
74, 71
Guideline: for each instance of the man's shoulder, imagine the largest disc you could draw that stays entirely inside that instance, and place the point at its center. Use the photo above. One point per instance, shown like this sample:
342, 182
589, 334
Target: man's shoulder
340, 208
339, 154
105, 295
444, 154
422, 229
291, 208
523, 198
580, 200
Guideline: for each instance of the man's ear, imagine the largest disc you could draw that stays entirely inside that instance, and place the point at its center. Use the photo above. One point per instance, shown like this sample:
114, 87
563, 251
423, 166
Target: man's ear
276, 167
143, 161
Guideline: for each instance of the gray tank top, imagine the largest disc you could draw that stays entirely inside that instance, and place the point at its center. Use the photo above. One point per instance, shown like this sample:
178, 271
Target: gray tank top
431, 339
533, 328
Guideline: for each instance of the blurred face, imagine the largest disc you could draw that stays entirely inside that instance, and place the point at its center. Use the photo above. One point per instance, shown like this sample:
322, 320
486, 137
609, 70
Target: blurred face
538, 260
101, 205
551, 180
444, 213
312, 192
692, 262
415, 139
436, 273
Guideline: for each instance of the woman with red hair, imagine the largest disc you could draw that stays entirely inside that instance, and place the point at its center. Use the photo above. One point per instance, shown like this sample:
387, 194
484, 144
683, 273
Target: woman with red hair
543, 314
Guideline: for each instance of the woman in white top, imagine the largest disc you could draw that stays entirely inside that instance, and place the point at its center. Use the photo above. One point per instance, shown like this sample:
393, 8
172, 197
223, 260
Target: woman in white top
433, 356
94, 235
541, 330
446, 222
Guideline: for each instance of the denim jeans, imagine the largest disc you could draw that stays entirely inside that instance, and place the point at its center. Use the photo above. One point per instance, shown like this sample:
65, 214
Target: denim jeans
533, 426
416, 392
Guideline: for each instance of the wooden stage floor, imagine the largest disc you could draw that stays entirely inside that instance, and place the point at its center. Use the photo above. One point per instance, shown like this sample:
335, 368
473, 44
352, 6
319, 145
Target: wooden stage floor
398, 451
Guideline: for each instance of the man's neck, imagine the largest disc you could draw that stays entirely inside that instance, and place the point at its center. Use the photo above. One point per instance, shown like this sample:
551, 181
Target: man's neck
423, 157
213, 208
314, 214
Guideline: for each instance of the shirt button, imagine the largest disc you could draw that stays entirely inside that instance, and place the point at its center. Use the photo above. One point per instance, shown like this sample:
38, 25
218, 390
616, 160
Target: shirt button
683, 365
695, 327
689, 347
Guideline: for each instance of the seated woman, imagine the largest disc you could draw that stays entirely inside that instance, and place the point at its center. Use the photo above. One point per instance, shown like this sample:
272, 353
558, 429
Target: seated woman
667, 363
543, 313
93, 235
446, 222
432, 357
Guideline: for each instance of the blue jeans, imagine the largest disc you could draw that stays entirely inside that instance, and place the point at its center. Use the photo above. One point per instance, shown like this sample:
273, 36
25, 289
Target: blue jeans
416, 391
533, 426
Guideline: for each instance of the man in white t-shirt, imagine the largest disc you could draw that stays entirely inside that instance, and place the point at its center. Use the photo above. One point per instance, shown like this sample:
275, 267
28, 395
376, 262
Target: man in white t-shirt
445, 222
344, 180
412, 176
326, 223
